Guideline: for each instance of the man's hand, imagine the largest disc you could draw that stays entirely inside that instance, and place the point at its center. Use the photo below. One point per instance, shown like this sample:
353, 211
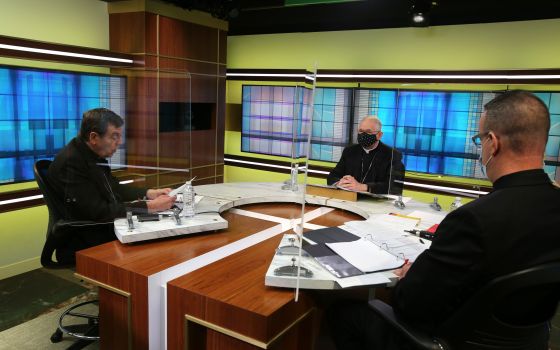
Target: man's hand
153, 193
160, 203
403, 270
348, 182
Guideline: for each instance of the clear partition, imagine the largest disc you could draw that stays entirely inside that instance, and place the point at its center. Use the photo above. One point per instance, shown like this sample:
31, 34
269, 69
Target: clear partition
150, 150
159, 127
302, 141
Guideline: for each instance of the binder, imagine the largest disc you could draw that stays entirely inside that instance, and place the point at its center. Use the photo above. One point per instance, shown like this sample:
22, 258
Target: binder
343, 253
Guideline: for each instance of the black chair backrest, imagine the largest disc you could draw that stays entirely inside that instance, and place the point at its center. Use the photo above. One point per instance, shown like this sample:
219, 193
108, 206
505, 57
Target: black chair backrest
54, 206
476, 325
40, 171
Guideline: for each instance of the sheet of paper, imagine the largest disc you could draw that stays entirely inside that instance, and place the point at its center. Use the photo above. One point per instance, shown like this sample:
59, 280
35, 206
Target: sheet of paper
427, 219
380, 225
394, 220
177, 190
366, 256
363, 280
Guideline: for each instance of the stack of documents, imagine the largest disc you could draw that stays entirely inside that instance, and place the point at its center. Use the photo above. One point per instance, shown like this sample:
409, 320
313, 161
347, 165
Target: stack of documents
359, 247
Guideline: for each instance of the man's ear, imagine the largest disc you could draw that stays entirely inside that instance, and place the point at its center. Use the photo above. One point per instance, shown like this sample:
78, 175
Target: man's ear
495, 140
93, 138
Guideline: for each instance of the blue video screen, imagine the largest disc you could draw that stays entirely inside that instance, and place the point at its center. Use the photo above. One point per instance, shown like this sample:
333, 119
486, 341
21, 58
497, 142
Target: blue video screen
41, 111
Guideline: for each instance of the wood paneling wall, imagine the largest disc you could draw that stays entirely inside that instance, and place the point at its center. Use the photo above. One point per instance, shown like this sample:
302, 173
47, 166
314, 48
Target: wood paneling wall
181, 61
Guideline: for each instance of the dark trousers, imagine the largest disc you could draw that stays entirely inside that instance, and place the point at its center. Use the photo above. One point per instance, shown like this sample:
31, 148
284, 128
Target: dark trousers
354, 326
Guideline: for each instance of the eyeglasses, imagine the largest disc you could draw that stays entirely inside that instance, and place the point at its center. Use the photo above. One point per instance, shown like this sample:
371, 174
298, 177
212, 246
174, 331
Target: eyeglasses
477, 139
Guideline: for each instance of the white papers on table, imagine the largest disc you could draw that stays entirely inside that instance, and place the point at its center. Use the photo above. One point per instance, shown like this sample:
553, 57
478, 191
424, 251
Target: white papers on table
368, 279
380, 225
366, 256
427, 219
388, 232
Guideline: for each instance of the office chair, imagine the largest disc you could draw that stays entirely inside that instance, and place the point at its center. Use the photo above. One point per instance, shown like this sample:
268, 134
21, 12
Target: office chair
58, 230
476, 324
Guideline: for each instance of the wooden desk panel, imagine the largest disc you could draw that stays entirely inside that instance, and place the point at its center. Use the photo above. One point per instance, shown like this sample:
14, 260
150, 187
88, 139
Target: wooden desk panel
231, 294
127, 267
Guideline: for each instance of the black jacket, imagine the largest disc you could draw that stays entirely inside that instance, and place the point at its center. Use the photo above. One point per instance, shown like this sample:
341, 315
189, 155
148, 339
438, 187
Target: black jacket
89, 192
514, 227
374, 168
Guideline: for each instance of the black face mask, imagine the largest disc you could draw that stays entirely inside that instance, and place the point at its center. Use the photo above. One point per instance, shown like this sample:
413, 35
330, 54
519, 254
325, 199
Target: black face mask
366, 140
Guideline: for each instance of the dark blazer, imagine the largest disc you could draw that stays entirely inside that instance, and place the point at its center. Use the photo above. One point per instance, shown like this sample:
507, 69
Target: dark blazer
381, 172
514, 227
89, 192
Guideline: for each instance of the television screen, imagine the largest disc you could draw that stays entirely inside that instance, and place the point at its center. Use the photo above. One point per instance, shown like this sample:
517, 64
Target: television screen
184, 116
41, 111
275, 120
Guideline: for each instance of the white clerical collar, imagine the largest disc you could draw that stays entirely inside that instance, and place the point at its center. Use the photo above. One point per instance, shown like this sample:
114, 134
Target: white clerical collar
369, 150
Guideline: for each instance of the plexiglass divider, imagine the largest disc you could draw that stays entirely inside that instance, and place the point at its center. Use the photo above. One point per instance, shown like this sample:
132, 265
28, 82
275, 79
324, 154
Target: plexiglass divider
157, 129
174, 129
304, 141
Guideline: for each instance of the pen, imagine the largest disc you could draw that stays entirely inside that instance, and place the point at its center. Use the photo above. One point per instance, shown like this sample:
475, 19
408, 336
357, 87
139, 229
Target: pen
421, 241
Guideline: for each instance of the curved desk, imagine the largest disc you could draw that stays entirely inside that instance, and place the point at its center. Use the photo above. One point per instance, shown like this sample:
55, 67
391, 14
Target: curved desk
208, 290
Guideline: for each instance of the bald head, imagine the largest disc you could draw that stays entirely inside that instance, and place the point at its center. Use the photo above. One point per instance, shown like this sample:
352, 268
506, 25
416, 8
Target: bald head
521, 119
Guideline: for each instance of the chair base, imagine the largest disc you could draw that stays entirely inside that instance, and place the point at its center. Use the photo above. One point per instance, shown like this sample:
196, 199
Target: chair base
85, 333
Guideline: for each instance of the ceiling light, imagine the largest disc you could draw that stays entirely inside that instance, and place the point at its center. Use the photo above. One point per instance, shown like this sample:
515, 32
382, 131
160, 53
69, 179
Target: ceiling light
64, 53
418, 17
420, 13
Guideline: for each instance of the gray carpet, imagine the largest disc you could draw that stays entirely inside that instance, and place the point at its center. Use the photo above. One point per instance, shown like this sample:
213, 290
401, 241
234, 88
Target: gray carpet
31, 304
31, 294
35, 334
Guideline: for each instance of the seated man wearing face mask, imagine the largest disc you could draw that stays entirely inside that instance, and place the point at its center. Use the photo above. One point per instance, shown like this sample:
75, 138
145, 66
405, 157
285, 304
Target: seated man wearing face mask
369, 166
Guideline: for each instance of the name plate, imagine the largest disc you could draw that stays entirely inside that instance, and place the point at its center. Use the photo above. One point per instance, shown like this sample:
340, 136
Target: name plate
330, 192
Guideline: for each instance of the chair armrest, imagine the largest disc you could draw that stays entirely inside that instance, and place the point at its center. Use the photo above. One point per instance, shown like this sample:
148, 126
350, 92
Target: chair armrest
62, 227
419, 338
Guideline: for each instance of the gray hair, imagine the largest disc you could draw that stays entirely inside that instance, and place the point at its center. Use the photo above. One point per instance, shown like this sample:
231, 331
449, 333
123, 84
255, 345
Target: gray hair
373, 118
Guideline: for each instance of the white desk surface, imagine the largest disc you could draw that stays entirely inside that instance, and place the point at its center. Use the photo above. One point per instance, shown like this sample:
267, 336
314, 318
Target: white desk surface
221, 197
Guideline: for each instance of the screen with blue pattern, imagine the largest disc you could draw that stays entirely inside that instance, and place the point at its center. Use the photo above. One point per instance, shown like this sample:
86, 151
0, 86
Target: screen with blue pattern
41, 111
432, 129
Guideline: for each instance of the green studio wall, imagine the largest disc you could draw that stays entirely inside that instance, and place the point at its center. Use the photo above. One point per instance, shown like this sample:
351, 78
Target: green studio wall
508, 45
73, 22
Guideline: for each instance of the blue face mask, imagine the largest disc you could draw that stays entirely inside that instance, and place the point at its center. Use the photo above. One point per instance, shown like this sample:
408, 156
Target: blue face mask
483, 166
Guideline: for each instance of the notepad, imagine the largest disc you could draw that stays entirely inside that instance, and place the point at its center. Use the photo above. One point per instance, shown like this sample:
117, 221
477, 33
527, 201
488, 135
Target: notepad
366, 256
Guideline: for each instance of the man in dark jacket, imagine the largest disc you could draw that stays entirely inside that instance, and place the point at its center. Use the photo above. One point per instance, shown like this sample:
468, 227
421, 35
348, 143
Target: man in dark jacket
82, 179
512, 228
370, 165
